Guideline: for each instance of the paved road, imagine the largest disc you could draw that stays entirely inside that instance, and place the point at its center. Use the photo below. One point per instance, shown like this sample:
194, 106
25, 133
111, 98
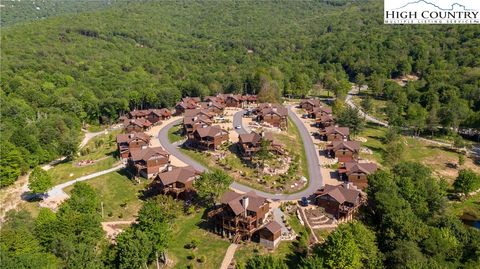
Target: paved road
349, 101
58, 189
237, 121
89, 135
316, 180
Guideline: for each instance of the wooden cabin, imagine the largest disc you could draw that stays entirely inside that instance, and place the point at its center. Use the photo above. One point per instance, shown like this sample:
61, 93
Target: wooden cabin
130, 142
342, 201
148, 162
357, 173
177, 181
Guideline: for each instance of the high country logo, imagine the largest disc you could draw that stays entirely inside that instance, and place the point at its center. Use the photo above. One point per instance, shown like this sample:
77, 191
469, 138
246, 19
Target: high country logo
432, 12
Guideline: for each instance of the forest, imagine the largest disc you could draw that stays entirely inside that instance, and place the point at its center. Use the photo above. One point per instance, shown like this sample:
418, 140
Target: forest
63, 72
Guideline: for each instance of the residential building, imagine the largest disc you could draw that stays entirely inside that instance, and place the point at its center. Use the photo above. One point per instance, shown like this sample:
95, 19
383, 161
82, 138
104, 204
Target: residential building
342, 201
177, 181
310, 104
325, 121
357, 173
344, 151
317, 112
148, 162
270, 235
130, 142
157, 115
250, 144
239, 216
136, 125
190, 124
198, 112
180, 107
275, 115
335, 133
209, 137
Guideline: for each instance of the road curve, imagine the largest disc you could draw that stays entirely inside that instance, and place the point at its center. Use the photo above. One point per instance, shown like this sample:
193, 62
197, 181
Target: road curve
237, 121
349, 102
315, 182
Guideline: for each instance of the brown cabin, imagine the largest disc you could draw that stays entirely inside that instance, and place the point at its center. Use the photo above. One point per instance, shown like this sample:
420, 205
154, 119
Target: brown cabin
318, 112
345, 151
233, 100
157, 115
249, 144
198, 112
270, 235
275, 115
310, 104
190, 124
250, 99
334, 133
129, 142
213, 107
136, 125
239, 215
342, 201
209, 137
357, 173
180, 107
148, 162
138, 114
177, 181
325, 121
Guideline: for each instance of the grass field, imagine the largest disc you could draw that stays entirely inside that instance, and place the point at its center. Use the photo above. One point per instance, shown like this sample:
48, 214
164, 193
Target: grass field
174, 134
211, 246
100, 148
439, 158
120, 195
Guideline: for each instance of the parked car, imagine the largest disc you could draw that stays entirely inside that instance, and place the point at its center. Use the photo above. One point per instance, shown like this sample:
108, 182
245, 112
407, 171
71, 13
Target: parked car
304, 201
305, 116
238, 127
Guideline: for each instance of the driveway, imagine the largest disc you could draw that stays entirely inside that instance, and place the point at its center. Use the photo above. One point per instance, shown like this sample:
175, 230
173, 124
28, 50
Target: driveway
315, 182
349, 102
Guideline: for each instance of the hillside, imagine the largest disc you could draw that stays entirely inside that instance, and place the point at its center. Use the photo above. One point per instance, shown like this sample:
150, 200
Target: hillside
60, 72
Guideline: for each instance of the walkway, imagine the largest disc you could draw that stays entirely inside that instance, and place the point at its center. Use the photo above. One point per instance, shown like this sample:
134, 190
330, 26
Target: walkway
315, 182
228, 256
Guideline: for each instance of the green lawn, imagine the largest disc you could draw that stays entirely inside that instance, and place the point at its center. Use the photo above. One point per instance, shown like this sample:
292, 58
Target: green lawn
120, 195
211, 246
293, 142
174, 134
64, 172
101, 148
470, 207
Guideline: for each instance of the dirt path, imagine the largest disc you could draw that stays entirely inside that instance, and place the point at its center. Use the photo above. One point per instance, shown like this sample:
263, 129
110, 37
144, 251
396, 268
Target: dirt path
111, 227
228, 256
12, 196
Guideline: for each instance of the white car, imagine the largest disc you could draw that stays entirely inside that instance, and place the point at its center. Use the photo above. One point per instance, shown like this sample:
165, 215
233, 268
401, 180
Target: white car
238, 127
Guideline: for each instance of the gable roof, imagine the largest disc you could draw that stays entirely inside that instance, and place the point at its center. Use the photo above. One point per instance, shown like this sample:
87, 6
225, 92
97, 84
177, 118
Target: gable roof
178, 174
274, 109
249, 138
324, 109
127, 138
147, 153
210, 131
356, 167
345, 131
325, 118
350, 145
197, 111
341, 193
138, 113
197, 119
235, 201
273, 227
161, 112
186, 105
313, 102
139, 122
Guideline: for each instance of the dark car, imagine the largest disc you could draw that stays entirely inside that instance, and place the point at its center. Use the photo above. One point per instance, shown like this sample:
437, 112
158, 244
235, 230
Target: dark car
304, 201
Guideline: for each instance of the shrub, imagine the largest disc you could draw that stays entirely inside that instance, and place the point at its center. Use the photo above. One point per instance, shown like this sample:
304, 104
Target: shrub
191, 256
201, 259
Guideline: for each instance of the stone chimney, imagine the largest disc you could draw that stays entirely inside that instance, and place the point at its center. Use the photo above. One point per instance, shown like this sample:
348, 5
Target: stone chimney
245, 203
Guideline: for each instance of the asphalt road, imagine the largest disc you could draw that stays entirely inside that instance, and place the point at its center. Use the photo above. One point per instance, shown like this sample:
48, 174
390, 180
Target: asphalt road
315, 182
349, 102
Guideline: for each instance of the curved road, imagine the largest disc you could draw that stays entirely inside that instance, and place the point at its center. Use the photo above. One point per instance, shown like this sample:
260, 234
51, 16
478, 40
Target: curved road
315, 182
349, 101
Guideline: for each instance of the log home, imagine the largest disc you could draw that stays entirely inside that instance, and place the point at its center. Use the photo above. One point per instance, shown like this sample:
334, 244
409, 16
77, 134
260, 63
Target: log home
270, 235
131, 142
190, 124
345, 151
239, 216
148, 162
334, 133
157, 115
310, 104
180, 107
209, 138
177, 181
318, 112
275, 115
357, 173
250, 144
342, 201
136, 125
325, 121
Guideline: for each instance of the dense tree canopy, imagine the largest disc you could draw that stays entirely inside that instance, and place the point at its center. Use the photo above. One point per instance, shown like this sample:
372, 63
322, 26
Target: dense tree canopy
61, 72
